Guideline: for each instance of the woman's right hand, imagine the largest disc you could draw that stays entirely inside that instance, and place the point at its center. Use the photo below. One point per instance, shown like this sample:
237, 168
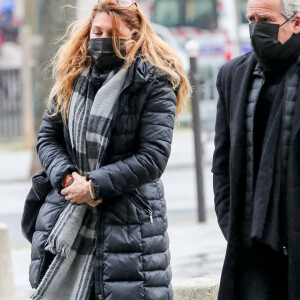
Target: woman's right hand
89, 201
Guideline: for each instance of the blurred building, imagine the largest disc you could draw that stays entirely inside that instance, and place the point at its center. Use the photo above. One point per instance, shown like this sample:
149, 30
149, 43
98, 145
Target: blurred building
10, 21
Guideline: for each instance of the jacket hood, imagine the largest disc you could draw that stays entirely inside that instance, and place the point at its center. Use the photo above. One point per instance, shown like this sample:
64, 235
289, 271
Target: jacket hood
142, 71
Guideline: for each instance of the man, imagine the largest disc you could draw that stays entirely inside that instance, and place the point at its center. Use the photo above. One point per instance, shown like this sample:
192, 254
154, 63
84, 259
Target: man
256, 163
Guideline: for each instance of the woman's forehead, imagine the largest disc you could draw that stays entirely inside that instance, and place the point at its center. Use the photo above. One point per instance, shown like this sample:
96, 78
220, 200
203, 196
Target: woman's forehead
102, 20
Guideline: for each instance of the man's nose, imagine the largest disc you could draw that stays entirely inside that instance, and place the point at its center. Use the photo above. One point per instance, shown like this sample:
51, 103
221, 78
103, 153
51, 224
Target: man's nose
256, 16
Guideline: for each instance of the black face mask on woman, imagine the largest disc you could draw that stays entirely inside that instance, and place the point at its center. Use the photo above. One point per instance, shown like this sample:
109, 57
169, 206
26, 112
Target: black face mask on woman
103, 54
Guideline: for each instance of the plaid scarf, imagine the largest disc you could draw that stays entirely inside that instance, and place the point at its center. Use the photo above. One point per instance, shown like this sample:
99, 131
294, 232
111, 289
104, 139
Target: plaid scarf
73, 237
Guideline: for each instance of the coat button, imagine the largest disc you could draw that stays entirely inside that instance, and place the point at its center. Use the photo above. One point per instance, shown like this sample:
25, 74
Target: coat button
284, 250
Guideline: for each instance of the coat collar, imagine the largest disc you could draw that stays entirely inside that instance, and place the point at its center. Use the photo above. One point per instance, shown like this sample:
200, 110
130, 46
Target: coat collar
141, 72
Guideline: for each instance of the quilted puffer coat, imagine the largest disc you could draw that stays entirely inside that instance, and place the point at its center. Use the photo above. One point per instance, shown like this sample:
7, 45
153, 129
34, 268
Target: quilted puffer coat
133, 255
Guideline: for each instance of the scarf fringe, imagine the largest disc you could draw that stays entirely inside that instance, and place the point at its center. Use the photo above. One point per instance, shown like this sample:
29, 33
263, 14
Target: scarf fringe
36, 296
60, 248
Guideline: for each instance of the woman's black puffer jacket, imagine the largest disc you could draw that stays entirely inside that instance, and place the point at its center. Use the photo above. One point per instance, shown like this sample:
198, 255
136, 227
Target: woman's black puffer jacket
133, 256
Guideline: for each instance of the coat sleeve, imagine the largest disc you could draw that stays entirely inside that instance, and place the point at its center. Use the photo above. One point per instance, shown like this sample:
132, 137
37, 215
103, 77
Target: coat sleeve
51, 150
220, 165
154, 146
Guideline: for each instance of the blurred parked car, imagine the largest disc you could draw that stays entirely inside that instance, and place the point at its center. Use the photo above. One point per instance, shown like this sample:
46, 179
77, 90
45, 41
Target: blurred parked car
9, 25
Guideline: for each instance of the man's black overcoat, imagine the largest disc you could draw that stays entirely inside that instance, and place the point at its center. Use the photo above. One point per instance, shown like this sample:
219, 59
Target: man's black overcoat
234, 82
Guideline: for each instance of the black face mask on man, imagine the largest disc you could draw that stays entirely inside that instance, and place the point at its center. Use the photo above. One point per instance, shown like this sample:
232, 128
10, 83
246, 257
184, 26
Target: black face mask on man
103, 54
265, 44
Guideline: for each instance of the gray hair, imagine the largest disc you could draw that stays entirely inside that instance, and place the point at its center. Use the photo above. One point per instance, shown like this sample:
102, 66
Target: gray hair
290, 8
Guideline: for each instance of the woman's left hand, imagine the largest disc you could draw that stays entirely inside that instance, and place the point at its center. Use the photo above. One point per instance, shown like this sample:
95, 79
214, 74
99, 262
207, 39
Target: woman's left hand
78, 192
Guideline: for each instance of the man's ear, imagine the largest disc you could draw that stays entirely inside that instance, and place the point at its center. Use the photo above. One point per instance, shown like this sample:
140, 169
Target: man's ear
297, 24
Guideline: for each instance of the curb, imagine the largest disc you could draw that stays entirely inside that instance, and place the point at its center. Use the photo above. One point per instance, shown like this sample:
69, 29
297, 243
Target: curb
7, 288
197, 289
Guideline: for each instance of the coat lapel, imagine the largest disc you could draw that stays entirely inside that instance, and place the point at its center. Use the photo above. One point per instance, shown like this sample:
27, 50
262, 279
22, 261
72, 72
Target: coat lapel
238, 105
238, 100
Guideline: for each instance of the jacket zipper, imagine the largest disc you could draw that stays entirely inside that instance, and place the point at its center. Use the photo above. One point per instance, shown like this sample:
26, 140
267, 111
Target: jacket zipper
139, 202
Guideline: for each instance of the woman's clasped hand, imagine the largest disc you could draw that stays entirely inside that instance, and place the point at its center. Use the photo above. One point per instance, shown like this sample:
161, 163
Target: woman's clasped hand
78, 192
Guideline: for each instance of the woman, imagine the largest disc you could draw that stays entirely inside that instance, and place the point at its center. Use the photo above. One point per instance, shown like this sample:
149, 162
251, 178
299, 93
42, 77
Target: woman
104, 143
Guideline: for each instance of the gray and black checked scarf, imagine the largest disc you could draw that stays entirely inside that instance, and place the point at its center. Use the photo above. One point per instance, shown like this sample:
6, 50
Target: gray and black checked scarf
72, 239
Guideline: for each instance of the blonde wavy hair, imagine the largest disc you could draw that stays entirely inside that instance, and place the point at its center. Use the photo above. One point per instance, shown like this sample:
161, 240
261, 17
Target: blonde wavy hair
72, 57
